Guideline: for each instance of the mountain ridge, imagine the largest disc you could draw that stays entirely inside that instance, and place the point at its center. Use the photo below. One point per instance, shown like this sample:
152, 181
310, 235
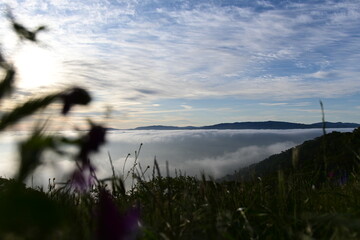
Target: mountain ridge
265, 125
334, 154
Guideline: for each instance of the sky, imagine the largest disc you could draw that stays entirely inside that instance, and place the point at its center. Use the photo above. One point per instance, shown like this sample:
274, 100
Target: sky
191, 62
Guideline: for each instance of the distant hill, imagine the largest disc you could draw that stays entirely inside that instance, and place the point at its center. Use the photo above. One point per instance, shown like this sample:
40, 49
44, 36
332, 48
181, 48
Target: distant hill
256, 125
332, 155
160, 127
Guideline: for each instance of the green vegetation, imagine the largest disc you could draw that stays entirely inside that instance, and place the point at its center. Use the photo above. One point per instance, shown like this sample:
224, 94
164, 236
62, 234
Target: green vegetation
309, 192
330, 157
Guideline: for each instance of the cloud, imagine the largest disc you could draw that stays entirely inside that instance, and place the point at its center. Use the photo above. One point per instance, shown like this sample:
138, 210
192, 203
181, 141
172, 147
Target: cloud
301, 104
187, 107
149, 50
273, 104
216, 152
147, 91
322, 74
231, 161
254, 37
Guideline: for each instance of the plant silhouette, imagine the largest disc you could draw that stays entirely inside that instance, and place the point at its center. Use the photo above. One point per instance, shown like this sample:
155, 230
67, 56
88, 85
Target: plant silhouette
27, 213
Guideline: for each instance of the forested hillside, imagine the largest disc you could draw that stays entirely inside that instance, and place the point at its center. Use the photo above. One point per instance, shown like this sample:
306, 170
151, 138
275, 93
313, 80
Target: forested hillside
332, 156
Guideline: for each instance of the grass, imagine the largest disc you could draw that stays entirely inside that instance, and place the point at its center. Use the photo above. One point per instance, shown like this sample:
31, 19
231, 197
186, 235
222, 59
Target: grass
292, 209
183, 207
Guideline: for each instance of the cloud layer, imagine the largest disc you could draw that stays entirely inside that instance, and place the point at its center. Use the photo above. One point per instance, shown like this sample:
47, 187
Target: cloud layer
213, 152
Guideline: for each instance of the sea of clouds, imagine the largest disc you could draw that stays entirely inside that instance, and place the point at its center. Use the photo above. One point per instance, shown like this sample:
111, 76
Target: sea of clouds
191, 152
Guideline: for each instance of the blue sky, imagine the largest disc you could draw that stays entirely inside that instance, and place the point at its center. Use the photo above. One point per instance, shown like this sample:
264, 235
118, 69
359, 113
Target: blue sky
194, 62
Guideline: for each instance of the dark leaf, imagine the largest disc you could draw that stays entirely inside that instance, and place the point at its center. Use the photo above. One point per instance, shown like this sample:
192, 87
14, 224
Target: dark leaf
23, 32
31, 151
92, 141
26, 109
69, 97
74, 96
3, 63
6, 86
41, 28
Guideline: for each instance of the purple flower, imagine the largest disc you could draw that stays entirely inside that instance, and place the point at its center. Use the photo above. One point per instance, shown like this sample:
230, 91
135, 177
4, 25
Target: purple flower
331, 174
112, 225
83, 178
338, 177
343, 179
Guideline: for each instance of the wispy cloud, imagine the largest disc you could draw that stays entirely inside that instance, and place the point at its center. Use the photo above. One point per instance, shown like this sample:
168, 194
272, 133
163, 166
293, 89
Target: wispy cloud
230, 161
186, 107
273, 104
142, 51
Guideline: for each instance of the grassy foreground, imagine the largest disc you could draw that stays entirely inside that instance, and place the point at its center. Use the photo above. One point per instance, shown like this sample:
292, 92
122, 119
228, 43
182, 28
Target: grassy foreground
184, 208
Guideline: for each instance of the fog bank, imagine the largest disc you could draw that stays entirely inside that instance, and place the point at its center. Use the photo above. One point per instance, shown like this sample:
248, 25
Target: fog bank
213, 152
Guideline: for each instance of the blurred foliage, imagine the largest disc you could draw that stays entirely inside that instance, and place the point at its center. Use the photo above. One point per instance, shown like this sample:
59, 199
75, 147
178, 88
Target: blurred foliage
6, 86
27, 213
23, 32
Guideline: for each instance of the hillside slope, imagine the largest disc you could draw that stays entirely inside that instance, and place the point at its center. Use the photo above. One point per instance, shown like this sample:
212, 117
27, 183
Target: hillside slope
330, 156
